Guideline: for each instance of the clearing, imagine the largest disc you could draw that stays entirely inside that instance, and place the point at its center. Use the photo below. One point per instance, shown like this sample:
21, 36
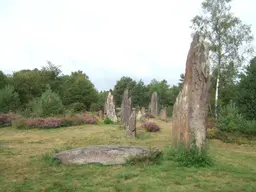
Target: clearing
25, 164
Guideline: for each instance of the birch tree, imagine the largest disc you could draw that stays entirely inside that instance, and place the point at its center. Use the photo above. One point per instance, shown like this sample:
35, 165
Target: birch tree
229, 38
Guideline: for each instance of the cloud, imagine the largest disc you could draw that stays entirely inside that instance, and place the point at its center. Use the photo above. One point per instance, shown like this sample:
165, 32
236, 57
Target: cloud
106, 39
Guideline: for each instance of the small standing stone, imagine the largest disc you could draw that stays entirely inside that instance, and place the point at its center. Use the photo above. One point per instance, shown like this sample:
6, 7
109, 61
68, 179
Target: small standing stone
163, 114
143, 111
139, 115
131, 129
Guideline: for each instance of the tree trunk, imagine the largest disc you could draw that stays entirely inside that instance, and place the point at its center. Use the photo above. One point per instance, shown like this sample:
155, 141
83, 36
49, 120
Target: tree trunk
217, 95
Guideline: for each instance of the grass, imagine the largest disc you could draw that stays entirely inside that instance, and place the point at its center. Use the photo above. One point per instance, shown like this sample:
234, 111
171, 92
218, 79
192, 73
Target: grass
26, 163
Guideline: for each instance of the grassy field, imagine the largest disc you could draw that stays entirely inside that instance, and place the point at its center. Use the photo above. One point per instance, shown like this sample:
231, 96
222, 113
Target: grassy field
25, 164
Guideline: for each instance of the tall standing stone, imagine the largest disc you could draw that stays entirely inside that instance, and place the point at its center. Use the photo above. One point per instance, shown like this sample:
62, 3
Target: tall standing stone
126, 108
191, 107
163, 114
153, 106
131, 129
110, 107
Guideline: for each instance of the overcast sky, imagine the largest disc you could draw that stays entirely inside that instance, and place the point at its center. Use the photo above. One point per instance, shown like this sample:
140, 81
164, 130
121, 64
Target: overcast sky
106, 39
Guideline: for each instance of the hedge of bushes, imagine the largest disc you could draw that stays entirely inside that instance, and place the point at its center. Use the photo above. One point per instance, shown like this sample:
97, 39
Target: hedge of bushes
49, 122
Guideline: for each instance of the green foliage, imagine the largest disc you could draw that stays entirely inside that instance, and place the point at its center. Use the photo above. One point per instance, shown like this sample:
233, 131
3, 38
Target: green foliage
50, 104
121, 85
229, 42
108, 121
30, 84
77, 107
231, 120
246, 94
78, 88
193, 157
3, 80
9, 99
94, 107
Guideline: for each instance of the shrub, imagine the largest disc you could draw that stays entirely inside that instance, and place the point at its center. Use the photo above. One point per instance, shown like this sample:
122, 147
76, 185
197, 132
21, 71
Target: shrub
89, 119
6, 119
77, 107
72, 120
149, 115
212, 133
51, 104
230, 120
193, 157
94, 107
20, 123
44, 122
151, 126
9, 99
108, 121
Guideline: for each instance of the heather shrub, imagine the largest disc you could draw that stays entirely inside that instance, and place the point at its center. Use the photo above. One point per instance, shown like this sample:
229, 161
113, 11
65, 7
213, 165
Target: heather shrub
44, 122
6, 119
50, 104
108, 121
89, 119
150, 126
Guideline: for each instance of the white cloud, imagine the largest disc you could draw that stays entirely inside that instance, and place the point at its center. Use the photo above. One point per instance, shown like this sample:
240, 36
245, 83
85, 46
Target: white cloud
106, 39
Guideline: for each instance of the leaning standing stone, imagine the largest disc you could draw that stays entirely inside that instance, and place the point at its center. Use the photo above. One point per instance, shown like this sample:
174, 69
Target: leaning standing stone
191, 107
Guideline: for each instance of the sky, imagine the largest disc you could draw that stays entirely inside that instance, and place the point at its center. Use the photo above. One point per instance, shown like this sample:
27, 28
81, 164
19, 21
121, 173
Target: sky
106, 39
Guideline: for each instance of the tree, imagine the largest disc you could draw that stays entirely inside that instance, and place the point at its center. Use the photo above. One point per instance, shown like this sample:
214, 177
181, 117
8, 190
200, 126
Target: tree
229, 39
121, 85
246, 94
140, 95
77, 88
3, 80
50, 104
9, 99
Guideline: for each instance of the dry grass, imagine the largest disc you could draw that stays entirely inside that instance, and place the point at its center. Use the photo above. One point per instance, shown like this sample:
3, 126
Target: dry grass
22, 167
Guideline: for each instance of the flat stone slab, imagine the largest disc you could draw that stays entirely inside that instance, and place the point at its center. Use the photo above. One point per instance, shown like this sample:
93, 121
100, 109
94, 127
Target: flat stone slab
103, 154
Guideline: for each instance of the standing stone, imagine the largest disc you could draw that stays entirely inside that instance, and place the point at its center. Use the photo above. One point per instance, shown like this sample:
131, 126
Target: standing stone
153, 106
110, 107
139, 115
163, 114
191, 107
101, 114
126, 108
131, 129
143, 111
